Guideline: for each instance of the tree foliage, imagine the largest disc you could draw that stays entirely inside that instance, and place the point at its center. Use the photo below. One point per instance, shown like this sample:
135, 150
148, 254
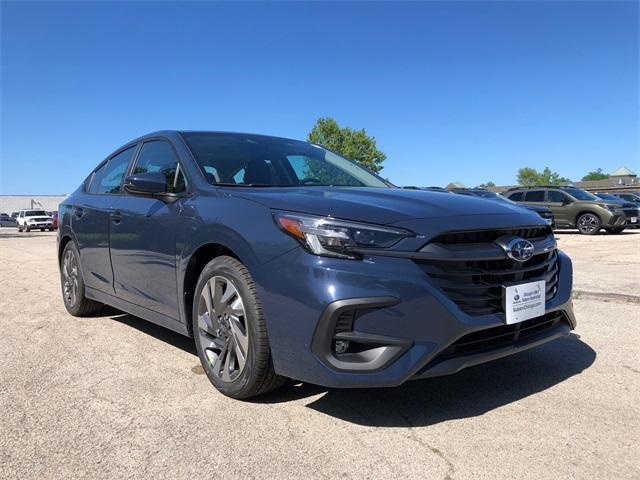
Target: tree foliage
353, 144
487, 185
595, 175
530, 177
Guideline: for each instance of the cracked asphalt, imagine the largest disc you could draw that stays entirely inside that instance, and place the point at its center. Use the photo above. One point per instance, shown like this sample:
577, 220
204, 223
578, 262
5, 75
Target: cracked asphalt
116, 397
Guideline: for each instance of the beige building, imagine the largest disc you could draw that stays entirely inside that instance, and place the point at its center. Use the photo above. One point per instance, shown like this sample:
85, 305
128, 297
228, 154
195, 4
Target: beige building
13, 203
621, 180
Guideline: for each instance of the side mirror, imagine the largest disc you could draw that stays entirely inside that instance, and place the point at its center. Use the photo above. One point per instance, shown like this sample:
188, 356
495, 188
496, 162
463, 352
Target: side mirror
566, 201
148, 183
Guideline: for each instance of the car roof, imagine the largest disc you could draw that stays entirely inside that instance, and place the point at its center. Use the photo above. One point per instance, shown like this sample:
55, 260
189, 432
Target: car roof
171, 133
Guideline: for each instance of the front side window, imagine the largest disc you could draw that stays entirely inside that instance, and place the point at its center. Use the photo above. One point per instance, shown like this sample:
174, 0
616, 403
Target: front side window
158, 156
254, 160
108, 178
534, 196
556, 196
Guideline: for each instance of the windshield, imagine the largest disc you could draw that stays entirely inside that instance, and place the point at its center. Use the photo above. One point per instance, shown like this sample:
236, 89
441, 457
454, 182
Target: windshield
245, 160
35, 213
580, 194
492, 196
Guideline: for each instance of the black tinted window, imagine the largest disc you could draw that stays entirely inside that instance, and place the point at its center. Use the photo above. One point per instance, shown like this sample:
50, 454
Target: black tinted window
556, 196
254, 160
534, 196
516, 197
108, 178
158, 156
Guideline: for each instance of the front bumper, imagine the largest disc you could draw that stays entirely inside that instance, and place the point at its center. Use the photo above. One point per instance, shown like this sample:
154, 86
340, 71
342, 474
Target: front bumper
39, 225
407, 319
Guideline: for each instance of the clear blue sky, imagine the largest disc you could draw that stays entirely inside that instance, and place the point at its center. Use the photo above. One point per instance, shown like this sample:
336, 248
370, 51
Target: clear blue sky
451, 91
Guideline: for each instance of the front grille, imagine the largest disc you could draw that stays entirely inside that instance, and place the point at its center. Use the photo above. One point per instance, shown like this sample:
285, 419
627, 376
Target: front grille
501, 336
476, 285
488, 236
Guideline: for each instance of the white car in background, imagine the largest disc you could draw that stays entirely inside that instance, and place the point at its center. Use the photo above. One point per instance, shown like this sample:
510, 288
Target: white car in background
34, 219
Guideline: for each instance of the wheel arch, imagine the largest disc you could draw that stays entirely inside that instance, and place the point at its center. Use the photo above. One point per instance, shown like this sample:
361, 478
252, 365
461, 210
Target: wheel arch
194, 266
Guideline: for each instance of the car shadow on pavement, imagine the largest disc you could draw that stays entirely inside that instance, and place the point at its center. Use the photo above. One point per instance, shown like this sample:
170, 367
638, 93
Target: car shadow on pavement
164, 334
469, 393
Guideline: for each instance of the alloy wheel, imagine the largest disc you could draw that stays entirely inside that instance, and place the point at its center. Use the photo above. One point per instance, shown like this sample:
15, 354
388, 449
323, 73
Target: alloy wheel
222, 328
70, 277
588, 223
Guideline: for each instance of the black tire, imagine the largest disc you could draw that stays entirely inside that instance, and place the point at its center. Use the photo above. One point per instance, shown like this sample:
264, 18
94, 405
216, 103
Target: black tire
615, 230
77, 304
27, 228
589, 224
19, 229
257, 376
42, 229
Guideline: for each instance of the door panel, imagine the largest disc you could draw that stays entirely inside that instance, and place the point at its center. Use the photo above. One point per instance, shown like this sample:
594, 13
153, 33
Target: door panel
90, 223
556, 202
143, 253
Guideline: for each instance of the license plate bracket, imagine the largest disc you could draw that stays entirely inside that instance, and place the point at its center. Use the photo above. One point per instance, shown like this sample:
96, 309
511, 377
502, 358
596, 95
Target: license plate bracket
523, 301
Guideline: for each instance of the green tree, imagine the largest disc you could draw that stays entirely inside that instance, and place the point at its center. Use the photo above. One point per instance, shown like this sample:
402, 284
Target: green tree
595, 175
487, 185
530, 177
353, 144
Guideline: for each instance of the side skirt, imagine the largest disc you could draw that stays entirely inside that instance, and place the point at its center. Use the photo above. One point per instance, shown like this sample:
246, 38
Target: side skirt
137, 310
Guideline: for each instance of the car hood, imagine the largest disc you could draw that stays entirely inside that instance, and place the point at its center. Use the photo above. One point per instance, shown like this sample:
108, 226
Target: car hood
374, 205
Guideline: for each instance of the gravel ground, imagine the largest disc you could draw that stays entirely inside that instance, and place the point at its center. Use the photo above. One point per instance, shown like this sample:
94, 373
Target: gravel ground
115, 397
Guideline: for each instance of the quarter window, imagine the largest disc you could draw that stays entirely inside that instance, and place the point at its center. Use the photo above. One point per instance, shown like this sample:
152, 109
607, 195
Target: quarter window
108, 178
158, 156
534, 196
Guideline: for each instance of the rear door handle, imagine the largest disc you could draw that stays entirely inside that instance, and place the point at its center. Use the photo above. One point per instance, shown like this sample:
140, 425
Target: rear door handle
116, 217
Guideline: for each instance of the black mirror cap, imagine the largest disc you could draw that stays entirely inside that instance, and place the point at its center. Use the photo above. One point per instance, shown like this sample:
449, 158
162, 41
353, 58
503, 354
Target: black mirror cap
148, 183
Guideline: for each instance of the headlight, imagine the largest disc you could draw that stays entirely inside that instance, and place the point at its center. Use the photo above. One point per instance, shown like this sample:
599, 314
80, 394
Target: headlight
614, 208
337, 238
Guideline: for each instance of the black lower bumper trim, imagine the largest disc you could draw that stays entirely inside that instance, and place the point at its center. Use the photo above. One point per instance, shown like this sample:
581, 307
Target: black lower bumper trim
377, 351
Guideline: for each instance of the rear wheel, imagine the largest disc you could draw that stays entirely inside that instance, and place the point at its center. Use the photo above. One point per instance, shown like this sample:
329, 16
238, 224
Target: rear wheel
73, 285
615, 230
230, 331
19, 228
589, 224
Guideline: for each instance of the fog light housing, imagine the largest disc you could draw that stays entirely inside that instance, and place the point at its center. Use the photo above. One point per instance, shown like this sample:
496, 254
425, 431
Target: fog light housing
341, 346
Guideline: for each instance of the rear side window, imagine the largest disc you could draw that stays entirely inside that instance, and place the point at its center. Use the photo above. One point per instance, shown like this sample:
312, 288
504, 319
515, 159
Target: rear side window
158, 156
516, 197
108, 178
534, 196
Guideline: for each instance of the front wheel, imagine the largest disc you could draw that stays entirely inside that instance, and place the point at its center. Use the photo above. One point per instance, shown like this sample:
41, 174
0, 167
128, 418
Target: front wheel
230, 331
589, 224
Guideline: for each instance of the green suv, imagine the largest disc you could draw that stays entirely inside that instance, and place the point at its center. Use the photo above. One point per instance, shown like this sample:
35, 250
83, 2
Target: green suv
573, 208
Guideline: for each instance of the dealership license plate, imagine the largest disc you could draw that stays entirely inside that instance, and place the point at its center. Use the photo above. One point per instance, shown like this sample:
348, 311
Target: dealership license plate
524, 301
634, 219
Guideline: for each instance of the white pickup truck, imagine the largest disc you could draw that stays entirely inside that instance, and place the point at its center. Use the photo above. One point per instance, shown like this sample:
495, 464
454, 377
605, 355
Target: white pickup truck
33, 219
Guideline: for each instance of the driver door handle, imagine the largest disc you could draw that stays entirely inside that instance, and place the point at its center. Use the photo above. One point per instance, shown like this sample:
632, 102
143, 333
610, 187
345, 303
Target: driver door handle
116, 217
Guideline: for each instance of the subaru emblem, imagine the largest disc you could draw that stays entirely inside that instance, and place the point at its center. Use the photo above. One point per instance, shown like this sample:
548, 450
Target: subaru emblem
519, 249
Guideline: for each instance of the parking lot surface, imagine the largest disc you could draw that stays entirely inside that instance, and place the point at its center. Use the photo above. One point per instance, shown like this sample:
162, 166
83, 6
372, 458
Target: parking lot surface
113, 396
